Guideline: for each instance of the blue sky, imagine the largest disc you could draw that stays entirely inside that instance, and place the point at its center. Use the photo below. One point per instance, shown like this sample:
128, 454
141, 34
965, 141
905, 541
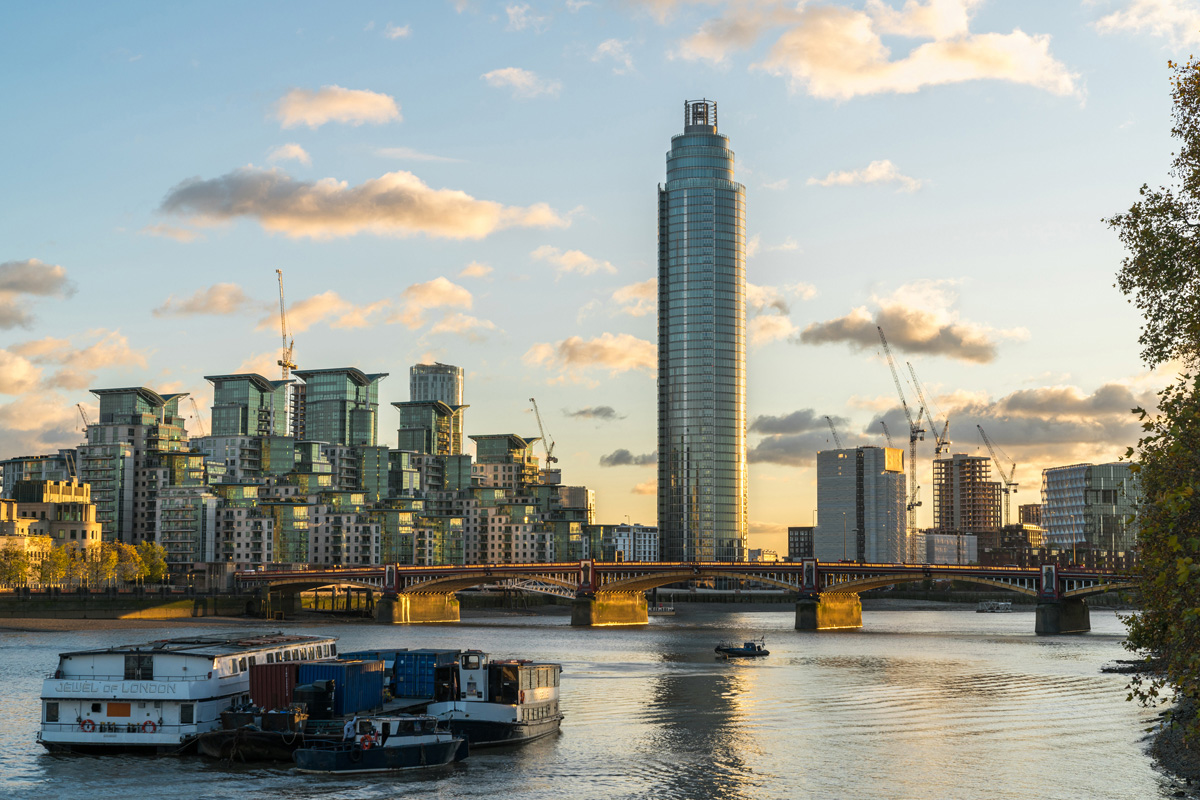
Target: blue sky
474, 182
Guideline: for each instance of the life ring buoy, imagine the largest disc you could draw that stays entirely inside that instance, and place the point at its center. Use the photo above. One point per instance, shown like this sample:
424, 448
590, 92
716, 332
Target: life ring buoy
522, 695
367, 742
87, 726
149, 727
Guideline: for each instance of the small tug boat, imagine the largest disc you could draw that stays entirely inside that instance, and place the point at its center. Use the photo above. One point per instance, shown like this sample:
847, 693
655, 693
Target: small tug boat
495, 703
751, 649
385, 744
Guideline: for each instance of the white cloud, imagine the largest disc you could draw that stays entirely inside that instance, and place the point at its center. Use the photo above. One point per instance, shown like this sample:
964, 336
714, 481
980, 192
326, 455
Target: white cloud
876, 172
30, 276
420, 298
327, 306
638, 299
290, 152
77, 364
220, 298
17, 373
575, 355
522, 82
838, 53
615, 50
397, 31
522, 16
753, 245
463, 325
646, 487
409, 154
1175, 20
776, 186
395, 204
475, 270
788, 245
767, 328
335, 104
575, 5
917, 318
572, 261
171, 232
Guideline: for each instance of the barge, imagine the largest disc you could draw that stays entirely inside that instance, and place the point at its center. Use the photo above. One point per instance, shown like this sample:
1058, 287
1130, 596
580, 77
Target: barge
158, 696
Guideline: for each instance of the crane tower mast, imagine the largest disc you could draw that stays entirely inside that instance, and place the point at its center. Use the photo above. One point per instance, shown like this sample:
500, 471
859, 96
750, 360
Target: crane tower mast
915, 433
285, 359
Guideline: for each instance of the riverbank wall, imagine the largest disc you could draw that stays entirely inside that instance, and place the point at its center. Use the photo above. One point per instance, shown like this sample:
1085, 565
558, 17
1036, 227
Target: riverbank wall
98, 605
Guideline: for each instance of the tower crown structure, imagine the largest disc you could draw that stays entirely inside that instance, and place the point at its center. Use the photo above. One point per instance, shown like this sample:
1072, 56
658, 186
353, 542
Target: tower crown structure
702, 512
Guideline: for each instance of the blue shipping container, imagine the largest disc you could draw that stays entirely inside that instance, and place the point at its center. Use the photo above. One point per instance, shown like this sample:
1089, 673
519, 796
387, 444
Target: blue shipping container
358, 685
413, 671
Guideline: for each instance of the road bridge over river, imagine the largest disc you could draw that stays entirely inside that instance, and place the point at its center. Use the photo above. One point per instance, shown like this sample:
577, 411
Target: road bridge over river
614, 593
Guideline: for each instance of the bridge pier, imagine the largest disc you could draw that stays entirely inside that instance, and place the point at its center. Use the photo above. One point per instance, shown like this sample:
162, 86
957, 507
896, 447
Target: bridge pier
1069, 615
829, 611
610, 608
404, 609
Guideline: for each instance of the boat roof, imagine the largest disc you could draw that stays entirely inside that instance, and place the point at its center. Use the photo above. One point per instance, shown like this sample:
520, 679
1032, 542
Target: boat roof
215, 645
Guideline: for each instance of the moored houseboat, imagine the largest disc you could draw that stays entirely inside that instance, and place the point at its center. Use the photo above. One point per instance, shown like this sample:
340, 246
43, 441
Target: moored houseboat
385, 744
497, 702
158, 696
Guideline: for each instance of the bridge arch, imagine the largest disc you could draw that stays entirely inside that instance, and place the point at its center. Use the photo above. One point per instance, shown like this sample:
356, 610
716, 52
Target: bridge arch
643, 583
449, 584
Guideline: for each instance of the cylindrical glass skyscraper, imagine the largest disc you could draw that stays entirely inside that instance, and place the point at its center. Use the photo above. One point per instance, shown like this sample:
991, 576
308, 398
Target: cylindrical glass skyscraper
701, 346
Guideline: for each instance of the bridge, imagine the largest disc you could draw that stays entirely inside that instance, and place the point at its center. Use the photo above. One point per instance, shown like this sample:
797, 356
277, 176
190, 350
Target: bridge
613, 593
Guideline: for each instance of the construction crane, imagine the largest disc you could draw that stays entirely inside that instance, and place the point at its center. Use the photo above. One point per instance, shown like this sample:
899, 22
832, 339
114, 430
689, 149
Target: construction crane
199, 419
86, 422
941, 443
1010, 485
887, 434
285, 359
836, 439
915, 433
547, 441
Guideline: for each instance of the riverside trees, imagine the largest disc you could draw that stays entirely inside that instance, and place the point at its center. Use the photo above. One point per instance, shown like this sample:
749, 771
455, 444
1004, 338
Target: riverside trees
70, 563
1161, 276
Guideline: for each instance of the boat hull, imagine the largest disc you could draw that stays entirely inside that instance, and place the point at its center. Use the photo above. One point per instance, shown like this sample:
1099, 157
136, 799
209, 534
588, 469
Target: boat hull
245, 744
353, 759
492, 733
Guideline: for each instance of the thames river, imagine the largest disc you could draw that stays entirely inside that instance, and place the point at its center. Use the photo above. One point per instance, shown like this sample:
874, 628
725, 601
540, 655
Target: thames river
917, 704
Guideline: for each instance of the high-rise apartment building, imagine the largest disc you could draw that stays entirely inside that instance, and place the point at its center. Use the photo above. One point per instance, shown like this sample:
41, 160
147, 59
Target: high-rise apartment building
340, 406
122, 459
435, 383
702, 488
430, 426
860, 505
1091, 506
965, 498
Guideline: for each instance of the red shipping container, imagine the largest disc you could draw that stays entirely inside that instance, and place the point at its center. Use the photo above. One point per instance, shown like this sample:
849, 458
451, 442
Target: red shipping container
273, 685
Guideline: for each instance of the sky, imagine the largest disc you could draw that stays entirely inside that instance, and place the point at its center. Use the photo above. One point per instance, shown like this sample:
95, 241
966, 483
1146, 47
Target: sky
474, 182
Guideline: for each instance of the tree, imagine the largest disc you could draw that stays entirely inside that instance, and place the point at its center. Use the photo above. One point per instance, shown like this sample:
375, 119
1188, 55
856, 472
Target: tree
14, 565
154, 559
1161, 275
102, 564
54, 566
129, 562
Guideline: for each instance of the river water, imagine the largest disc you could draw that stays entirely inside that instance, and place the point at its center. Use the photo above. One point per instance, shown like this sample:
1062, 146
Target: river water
922, 703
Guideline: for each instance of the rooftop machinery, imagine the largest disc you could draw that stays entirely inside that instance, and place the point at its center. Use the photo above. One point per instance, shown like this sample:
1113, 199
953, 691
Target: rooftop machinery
915, 433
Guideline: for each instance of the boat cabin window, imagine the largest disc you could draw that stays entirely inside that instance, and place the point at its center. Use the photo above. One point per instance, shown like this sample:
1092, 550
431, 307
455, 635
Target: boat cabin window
95, 708
242, 664
333, 649
270, 658
187, 713
252, 661
51, 712
139, 667
470, 662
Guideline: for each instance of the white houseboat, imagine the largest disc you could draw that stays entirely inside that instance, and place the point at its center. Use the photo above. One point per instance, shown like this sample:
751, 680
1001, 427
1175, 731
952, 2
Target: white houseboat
497, 702
160, 695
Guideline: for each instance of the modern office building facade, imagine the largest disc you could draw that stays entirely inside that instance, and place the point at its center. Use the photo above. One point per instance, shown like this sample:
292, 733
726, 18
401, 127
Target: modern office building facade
1092, 506
430, 426
436, 383
702, 491
860, 505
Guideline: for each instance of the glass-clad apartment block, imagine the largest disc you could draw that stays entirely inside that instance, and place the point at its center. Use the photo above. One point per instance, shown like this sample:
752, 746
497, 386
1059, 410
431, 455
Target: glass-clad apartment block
249, 405
341, 406
701, 346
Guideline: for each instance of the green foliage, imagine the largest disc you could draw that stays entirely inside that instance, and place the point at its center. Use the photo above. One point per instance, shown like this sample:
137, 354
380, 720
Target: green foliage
102, 568
129, 562
54, 566
154, 560
15, 565
1161, 273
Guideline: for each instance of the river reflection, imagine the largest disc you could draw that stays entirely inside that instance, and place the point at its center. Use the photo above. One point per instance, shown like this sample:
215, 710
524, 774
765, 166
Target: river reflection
918, 704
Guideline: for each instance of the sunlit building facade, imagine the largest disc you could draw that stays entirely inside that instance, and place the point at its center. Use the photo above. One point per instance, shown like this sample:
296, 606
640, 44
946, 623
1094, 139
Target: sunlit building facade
702, 488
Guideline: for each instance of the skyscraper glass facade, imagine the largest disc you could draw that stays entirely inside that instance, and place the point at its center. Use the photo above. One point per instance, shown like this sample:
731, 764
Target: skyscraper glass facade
341, 406
701, 346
